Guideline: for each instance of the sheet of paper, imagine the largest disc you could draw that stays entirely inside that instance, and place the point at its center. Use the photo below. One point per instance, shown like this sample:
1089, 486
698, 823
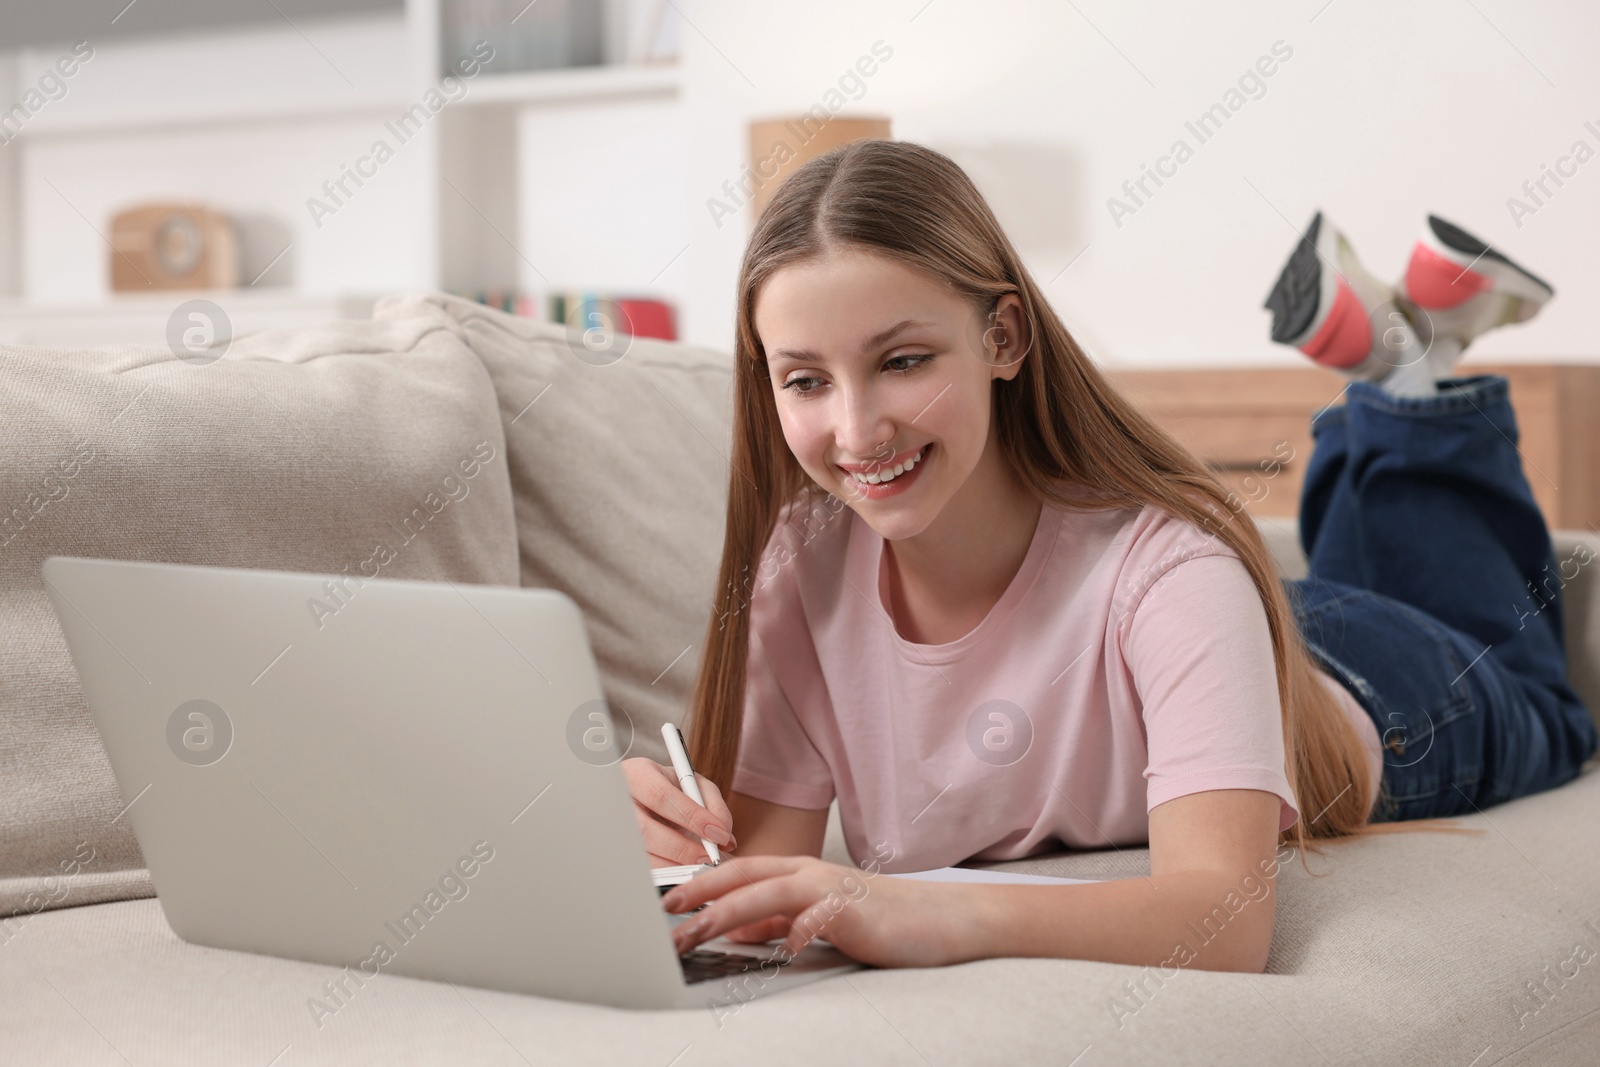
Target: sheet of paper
967, 874
665, 877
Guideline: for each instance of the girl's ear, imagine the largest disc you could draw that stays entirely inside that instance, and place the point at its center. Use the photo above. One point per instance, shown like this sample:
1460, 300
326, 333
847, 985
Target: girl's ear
1007, 336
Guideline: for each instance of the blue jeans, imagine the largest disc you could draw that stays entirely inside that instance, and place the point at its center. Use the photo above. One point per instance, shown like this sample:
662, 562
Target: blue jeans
1434, 596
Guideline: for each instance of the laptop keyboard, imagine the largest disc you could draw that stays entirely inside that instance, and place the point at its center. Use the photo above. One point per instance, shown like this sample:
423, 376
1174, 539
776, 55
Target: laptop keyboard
704, 964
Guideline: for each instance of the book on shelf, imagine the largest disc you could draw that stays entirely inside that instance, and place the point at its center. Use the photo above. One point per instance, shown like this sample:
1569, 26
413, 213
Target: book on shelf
633, 316
513, 301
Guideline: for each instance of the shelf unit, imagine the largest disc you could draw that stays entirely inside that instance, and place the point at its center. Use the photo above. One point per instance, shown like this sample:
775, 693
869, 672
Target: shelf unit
513, 185
576, 84
141, 318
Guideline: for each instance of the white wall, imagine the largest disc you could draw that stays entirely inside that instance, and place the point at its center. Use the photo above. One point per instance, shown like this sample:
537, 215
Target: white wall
1383, 113
601, 198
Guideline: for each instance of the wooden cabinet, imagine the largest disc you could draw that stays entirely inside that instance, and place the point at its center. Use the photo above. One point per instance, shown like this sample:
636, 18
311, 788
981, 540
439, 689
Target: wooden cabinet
1253, 426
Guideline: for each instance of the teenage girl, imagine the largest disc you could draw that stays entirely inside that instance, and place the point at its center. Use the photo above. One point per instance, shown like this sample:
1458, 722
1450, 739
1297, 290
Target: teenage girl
970, 592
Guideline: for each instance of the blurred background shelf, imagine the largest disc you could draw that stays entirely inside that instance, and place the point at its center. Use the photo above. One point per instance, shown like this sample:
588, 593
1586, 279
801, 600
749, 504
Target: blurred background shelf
526, 180
576, 84
628, 176
141, 318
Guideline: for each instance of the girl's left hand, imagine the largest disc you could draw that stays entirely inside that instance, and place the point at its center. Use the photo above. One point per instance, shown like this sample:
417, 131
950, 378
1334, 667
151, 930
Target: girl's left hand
872, 918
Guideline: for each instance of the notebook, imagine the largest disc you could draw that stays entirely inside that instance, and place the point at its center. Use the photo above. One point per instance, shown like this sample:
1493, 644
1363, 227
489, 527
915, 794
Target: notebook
667, 877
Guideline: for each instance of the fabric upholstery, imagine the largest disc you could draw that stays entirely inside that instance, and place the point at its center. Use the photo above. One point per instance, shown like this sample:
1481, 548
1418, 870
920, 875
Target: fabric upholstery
1414, 949
619, 471
297, 450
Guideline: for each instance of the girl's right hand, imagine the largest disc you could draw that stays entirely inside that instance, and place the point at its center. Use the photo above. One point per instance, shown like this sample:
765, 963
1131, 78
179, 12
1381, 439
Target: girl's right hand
669, 822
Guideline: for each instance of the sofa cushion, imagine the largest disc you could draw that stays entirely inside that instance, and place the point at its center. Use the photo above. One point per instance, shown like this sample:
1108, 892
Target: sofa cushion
1420, 949
619, 471
298, 450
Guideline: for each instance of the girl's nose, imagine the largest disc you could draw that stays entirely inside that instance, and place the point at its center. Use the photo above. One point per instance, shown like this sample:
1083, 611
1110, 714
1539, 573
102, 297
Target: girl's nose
866, 428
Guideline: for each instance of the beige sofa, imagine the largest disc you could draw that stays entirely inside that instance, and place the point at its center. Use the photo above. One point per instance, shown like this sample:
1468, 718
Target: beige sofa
306, 449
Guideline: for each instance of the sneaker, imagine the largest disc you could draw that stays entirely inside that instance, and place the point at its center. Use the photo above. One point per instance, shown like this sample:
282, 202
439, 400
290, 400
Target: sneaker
1329, 307
1457, 286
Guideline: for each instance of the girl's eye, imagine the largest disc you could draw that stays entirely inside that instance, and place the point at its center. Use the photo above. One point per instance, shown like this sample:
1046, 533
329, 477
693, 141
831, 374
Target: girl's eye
909, 367
906, 368
796, 381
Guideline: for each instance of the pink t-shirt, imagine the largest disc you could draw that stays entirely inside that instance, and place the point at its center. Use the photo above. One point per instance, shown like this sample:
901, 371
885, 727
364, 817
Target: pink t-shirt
1128, 662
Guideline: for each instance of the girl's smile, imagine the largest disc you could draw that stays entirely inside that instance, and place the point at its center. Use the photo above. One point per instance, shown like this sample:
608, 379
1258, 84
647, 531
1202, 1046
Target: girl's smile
875, 481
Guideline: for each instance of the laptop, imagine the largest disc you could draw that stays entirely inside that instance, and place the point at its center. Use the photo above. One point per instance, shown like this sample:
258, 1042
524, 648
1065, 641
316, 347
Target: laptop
390, 777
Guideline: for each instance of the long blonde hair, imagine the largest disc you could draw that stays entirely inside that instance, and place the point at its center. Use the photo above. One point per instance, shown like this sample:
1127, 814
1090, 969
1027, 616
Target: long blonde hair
1059, 421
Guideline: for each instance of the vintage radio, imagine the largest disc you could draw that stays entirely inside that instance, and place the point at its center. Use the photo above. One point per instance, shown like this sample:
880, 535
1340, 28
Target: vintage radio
173, 246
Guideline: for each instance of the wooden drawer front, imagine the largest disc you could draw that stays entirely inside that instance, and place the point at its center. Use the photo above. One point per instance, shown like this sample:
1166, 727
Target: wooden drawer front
1260, 457
1244, 422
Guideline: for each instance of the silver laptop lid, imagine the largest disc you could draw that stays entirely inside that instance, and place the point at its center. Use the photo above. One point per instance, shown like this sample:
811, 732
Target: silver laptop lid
405, 777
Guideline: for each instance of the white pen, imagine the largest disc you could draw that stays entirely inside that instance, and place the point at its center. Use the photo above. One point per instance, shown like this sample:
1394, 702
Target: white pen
685, 772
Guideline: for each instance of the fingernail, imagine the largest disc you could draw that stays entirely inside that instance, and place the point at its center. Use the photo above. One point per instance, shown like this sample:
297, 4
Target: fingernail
672, 900
719, 835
